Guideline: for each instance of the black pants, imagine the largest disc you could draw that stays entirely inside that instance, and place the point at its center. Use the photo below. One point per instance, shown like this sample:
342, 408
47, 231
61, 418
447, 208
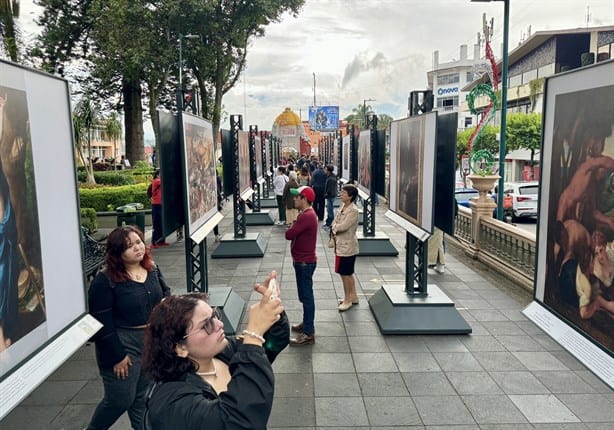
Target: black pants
318, 205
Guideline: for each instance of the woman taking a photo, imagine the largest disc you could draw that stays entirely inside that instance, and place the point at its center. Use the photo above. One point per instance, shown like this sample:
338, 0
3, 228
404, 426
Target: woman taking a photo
343, 230
122, 297
204, 380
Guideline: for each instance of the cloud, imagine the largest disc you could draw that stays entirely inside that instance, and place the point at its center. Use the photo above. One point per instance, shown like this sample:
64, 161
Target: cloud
360, 64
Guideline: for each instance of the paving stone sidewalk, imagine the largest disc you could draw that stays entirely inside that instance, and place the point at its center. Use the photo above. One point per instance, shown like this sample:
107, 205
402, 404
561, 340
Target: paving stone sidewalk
508, 374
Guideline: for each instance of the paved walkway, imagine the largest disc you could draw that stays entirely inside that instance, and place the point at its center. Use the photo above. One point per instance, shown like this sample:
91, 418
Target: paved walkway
508, 374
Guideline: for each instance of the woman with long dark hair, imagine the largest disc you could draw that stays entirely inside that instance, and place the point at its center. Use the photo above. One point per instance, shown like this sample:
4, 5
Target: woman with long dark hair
122, 297
204, 379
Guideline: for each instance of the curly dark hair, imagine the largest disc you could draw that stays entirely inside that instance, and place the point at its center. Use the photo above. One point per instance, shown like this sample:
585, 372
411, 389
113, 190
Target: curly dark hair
168, 324
117, 242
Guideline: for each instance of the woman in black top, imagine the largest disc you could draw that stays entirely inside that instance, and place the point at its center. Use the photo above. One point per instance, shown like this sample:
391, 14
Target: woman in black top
205, 380
122, 297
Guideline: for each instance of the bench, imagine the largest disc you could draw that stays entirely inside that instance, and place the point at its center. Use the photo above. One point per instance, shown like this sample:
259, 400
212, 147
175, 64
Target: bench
93, 254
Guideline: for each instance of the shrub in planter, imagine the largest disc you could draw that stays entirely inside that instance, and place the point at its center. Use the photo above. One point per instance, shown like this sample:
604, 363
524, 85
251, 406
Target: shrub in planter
88, 219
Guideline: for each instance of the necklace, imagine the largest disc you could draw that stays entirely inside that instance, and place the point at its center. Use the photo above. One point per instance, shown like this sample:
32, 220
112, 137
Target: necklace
211, 373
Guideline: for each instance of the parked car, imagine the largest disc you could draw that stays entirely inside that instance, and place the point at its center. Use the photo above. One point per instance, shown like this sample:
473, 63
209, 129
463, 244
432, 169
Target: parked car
464, 195
520, 199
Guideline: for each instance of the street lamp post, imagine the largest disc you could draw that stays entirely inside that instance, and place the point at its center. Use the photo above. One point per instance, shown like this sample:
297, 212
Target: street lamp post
364, 110
180, 88
502, 149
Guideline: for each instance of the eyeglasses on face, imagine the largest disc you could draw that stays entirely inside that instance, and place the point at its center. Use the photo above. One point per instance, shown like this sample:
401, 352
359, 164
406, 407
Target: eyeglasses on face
207, 325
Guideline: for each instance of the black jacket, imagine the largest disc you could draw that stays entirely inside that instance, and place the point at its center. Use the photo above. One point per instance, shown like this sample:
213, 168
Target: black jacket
191, 403
331, 186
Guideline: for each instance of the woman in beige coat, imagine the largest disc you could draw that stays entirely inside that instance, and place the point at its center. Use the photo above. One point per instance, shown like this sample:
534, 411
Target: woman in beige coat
343, 230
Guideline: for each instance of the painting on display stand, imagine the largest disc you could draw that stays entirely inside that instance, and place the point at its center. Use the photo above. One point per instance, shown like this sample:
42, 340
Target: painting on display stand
245, 184
345, 171
201, 184
412, 169
364, 162
575, 261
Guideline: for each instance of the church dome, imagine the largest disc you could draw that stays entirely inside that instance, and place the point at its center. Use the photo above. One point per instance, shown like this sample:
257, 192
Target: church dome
287, 117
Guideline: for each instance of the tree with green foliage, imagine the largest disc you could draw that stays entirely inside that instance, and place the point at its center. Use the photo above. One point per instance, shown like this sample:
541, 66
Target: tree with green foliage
129, 48
219, 60
113, 129
359, 115
383, 121
85, 117
487, 140
524, 131
9, 33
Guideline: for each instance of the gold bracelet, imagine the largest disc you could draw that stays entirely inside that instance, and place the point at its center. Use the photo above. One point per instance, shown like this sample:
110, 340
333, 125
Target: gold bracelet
253, 334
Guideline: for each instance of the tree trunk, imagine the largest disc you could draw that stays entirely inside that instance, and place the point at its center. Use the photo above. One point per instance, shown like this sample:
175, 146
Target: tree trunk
133, 121
89, 167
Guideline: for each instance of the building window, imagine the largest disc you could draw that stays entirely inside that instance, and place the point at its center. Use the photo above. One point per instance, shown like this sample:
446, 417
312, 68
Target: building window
515, 81
468, 121
451, 78
529, 76
447, 103
469, 76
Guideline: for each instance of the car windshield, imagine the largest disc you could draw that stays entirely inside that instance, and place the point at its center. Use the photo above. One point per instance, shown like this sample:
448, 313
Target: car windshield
465, 195
523, 191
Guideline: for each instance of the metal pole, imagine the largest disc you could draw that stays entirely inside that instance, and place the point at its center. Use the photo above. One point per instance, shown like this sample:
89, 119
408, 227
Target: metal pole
502, 149
180, 62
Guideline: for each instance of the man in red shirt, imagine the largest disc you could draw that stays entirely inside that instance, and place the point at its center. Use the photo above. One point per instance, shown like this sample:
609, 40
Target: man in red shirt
303, 235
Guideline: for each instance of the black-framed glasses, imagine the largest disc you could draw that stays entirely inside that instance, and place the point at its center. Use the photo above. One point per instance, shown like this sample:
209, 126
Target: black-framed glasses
207, 325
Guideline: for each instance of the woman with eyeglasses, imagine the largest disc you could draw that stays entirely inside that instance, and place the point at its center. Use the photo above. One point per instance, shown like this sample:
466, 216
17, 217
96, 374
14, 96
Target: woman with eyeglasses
122, 297
204, 379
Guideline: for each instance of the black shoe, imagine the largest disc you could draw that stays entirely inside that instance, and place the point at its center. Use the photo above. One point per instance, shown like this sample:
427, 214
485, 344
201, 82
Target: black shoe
297, 328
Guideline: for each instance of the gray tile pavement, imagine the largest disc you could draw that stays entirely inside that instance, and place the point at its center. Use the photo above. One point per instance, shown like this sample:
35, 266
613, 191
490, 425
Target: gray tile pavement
507, 374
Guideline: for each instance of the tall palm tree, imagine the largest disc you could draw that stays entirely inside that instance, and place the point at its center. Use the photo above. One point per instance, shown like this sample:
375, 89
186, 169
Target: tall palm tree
114, 132
85, 117
9, 10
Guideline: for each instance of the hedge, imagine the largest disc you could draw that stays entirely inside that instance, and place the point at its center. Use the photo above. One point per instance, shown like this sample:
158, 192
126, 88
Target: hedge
108, 198
119, 177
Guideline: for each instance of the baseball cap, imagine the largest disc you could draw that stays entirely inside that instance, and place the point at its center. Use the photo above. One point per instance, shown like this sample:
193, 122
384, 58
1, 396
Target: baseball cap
304, 191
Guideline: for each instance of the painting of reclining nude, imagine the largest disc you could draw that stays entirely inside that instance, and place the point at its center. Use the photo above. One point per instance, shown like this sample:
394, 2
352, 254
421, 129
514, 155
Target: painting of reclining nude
577, 205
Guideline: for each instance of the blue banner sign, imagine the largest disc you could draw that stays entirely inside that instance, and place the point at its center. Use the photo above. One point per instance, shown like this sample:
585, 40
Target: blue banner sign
324, 118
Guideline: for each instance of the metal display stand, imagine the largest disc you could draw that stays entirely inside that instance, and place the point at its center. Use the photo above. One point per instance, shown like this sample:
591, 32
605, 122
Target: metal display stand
371, 243
269, 201
257, 216
416, 307
239, 244
229, 303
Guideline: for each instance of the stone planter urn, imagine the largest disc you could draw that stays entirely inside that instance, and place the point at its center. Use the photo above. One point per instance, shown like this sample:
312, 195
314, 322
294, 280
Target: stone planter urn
483, 183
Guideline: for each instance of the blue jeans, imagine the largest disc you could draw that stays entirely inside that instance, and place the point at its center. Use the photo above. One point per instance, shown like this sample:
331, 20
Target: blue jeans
330, 210
304, 284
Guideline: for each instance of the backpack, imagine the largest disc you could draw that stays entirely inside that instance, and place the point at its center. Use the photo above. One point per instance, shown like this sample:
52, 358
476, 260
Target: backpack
150, 191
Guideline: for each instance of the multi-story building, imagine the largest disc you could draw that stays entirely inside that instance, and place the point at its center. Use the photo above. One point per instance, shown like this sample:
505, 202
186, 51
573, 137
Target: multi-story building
543, 54
447, 81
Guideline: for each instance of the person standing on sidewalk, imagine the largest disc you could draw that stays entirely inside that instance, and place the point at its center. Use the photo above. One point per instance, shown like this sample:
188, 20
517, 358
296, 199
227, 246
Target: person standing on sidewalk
343, 231
318, 183
303, 235
288, 199
330, 193
279, 182
157, 238
122, 297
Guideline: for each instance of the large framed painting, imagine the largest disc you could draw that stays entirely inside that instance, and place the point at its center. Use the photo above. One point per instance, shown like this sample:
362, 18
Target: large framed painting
245, 184
345, 170
43, 316
364, 162
258, 157
201, 184
575, 261
412, 169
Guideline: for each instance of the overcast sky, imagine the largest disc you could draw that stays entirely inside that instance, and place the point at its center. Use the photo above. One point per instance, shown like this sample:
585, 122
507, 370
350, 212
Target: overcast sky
382, 50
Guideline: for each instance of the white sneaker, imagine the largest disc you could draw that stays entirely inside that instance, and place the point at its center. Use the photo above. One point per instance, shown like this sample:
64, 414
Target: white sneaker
440, 268
279, 223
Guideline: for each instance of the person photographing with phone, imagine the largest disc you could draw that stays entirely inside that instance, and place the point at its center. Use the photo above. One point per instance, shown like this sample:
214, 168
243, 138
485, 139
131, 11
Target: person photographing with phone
204, 379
